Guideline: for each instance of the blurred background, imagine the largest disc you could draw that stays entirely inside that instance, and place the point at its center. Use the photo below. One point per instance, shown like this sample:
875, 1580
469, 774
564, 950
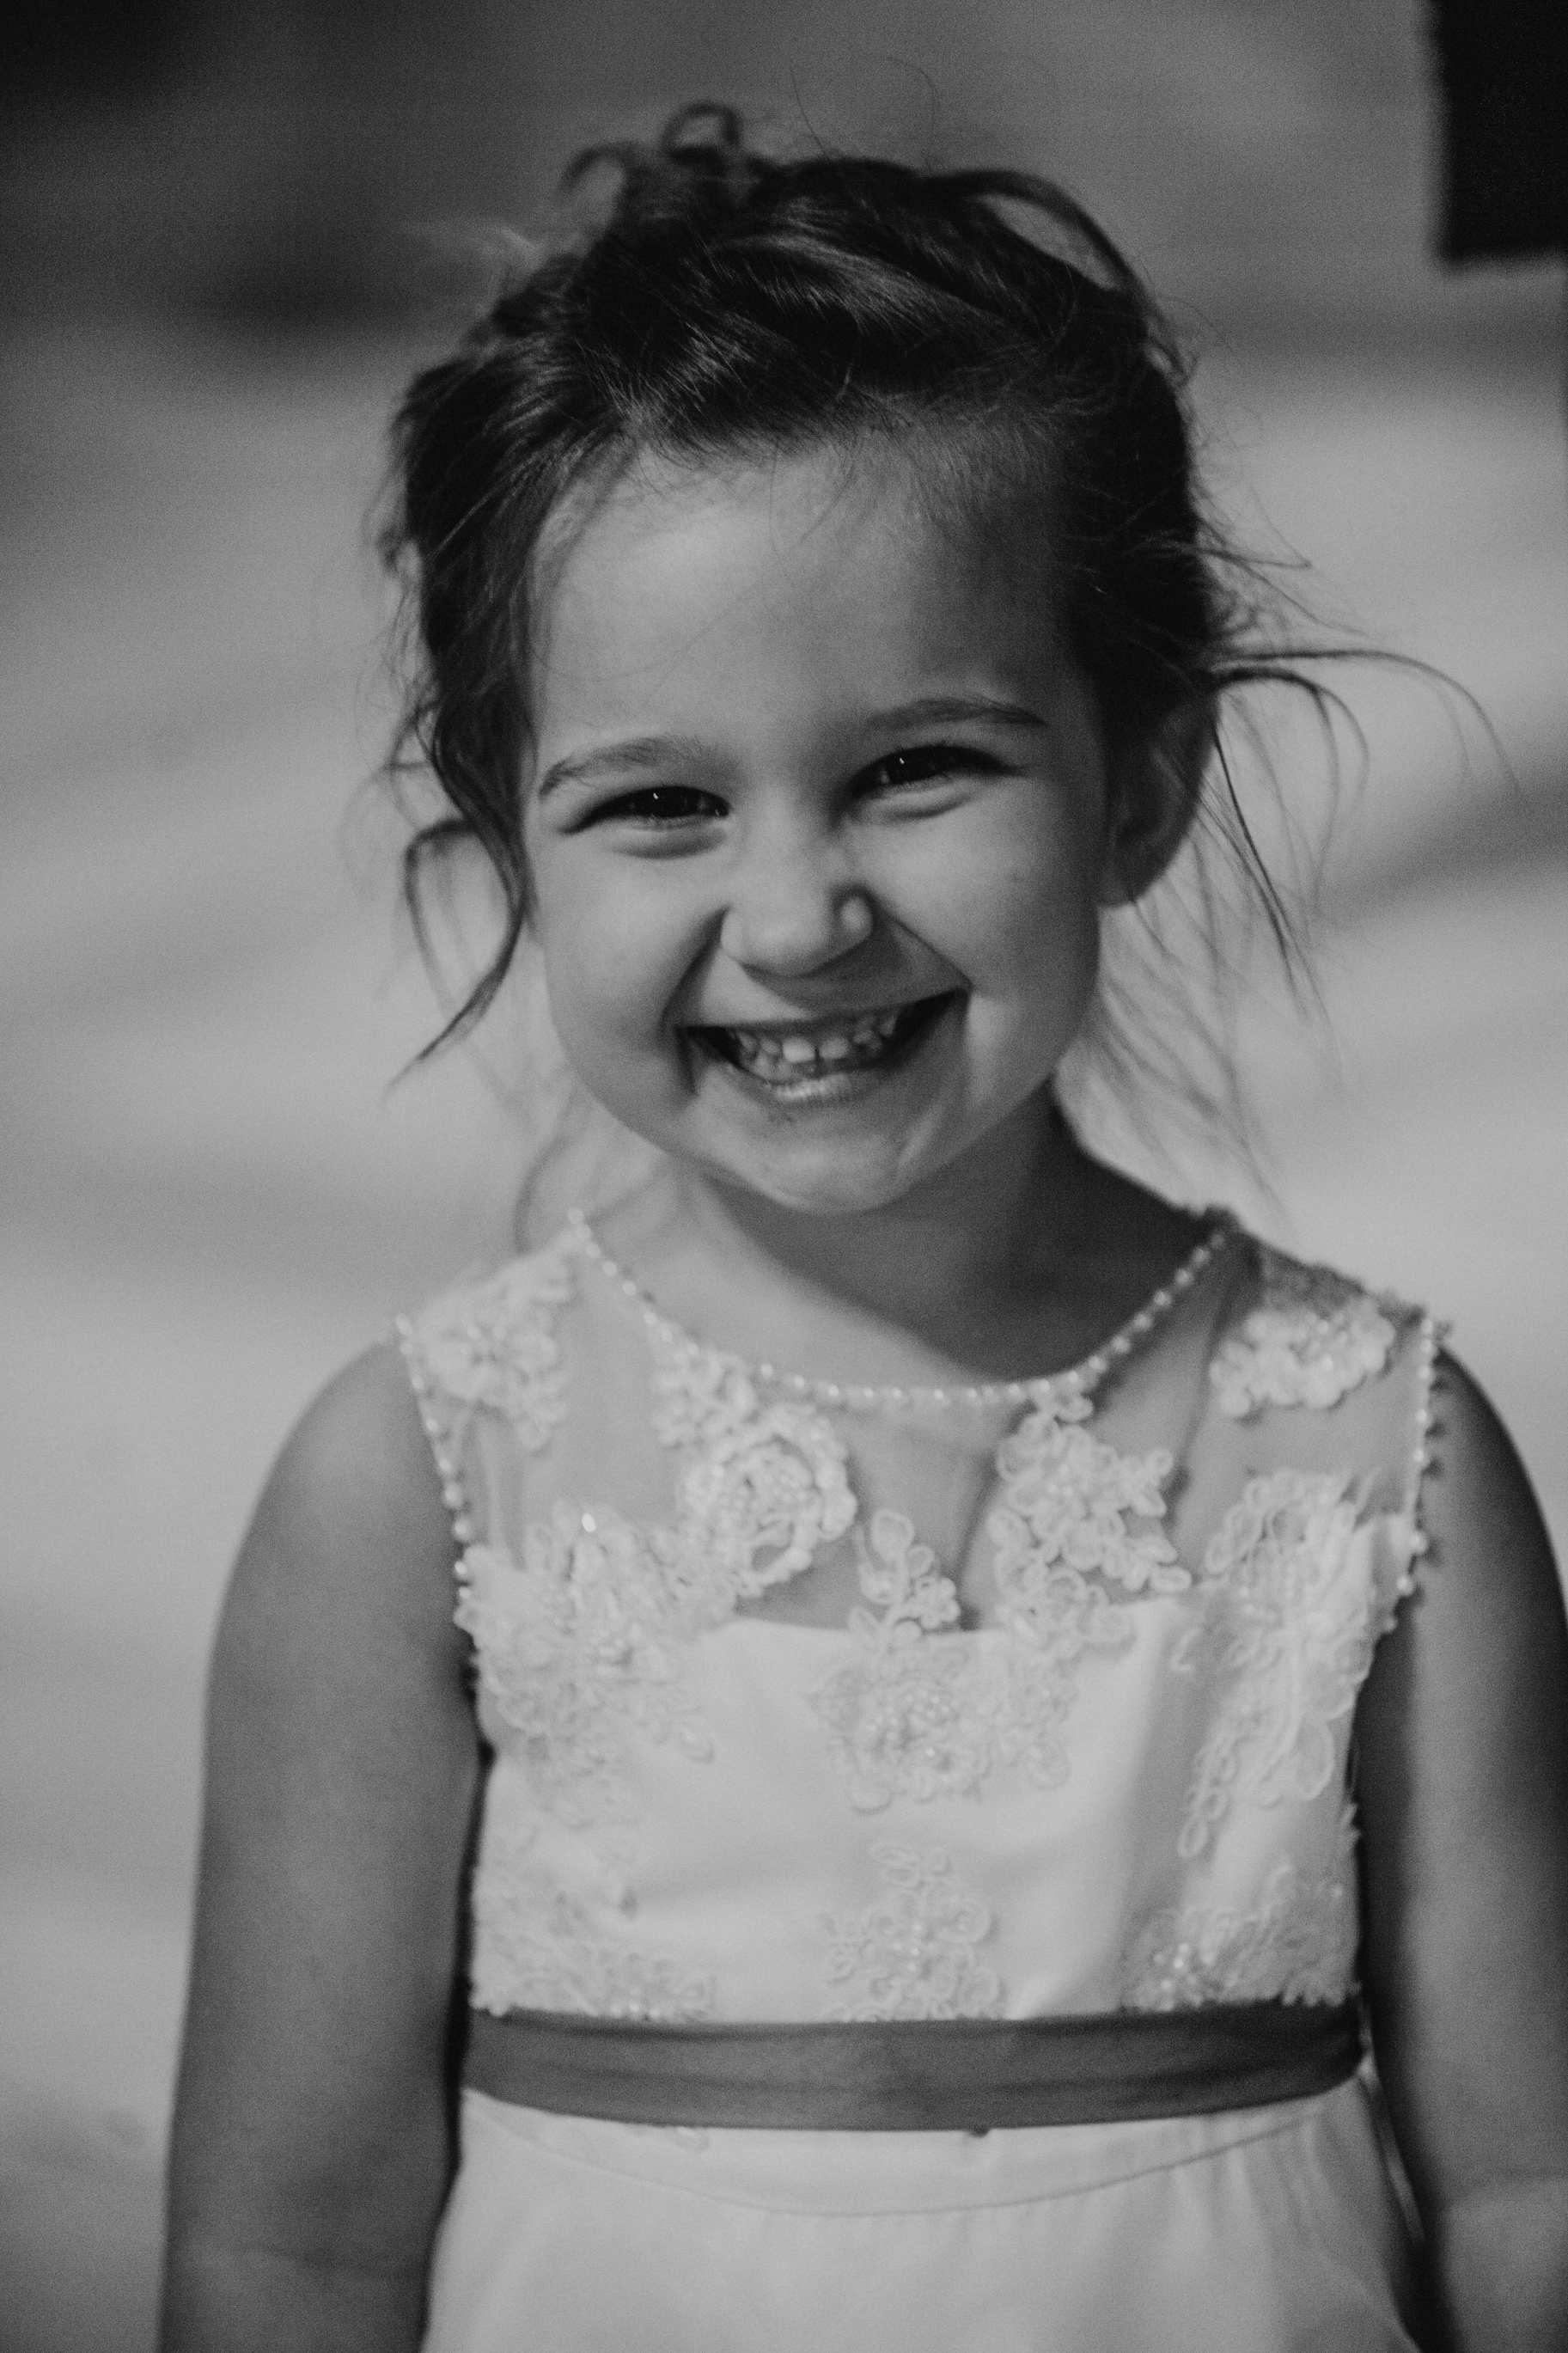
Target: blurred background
229, 232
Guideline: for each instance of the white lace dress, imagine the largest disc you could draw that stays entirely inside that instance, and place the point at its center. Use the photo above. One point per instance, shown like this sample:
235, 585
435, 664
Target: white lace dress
1125, 1788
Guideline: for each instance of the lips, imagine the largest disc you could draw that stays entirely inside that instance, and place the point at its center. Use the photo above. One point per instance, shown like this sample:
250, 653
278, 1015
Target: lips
835, 1046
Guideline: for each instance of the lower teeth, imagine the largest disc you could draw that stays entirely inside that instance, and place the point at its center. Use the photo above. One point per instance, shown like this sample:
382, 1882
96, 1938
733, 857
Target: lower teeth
786, 1073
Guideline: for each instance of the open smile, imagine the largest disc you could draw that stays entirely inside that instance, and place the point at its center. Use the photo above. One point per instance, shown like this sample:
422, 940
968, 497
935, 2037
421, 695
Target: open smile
801, 1061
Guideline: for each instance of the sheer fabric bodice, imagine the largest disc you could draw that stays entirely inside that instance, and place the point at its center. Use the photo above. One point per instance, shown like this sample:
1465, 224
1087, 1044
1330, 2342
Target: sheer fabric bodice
1080, 1744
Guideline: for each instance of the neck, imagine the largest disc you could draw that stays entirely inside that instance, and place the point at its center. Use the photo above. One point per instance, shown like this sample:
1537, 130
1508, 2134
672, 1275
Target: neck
992, 1228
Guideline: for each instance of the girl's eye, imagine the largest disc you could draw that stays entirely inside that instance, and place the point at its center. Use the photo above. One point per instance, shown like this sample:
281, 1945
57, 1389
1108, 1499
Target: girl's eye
659, 805
928, 763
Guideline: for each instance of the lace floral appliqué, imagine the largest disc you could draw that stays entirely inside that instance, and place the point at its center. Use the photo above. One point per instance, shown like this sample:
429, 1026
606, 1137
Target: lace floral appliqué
1313, 1339
761, 1486
1295, 1594
578, 1641
905, 1718
912, 1954
1297, 1943
1068, 1501
914, 1718
537, 1948
494, 1344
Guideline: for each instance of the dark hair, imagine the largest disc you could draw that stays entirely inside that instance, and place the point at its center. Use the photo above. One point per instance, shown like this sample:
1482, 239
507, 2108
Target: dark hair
706, 301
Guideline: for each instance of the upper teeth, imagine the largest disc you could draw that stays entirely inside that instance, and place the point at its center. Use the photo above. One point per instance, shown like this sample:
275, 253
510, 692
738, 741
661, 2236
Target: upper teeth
799, 1047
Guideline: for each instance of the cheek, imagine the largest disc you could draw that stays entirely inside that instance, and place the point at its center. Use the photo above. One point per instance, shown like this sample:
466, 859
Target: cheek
1017, 913
614, 955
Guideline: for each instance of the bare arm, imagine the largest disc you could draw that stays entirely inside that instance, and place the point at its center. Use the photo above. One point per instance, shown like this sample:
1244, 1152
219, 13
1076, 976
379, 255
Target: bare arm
312, 2144
1462, 1735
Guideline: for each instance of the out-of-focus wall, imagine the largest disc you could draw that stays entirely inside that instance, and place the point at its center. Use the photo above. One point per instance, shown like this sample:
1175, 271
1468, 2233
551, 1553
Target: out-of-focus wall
1268, 161
230, 231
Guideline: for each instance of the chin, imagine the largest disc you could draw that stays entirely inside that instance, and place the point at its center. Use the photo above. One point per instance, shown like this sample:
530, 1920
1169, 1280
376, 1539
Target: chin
835, 1185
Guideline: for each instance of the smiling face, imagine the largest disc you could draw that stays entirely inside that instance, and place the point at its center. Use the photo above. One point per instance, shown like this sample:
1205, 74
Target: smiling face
816, 822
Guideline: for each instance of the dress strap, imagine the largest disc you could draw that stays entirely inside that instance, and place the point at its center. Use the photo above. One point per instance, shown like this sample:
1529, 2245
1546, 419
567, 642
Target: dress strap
1312, 1337
1430, 1336
443, 1446
486, 1352
958, 2075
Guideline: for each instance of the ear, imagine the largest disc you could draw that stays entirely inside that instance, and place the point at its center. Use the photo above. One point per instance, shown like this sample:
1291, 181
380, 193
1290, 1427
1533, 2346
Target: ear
1152, 800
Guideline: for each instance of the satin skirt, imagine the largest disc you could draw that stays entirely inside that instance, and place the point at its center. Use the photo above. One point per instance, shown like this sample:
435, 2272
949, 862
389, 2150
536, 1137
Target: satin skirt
1261, 2231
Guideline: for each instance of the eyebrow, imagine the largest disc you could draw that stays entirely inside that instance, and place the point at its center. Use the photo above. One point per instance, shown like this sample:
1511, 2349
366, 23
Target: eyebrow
636, 756
955, 711
640, 754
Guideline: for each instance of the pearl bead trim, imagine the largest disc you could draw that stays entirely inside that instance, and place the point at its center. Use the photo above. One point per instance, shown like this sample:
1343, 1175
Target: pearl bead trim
857, 1397
454, 1493
1430, 1336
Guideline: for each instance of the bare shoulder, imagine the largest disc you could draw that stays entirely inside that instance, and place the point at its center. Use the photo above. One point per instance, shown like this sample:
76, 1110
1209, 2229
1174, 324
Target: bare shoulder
1478, 1491
1488, 1590
350, 1532
1484, 1632
362, 1431
337, 1662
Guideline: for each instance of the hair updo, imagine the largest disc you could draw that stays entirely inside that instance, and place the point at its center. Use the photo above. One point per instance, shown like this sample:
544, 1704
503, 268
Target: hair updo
707, 302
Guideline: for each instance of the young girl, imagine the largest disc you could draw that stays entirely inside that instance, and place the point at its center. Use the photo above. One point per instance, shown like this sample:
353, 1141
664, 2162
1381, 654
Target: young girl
972, 1687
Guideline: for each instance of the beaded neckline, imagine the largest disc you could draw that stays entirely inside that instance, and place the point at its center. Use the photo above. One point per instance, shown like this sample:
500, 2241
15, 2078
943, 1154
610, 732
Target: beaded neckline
1081, 1379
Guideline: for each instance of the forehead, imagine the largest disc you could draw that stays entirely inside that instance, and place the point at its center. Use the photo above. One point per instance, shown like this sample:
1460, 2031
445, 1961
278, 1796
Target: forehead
830, 576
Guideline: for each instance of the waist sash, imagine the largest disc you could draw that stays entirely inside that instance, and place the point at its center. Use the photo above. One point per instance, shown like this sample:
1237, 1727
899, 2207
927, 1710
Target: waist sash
959, 2074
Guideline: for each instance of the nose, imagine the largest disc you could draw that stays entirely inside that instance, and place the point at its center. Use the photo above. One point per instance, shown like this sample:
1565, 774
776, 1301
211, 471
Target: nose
792, 906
